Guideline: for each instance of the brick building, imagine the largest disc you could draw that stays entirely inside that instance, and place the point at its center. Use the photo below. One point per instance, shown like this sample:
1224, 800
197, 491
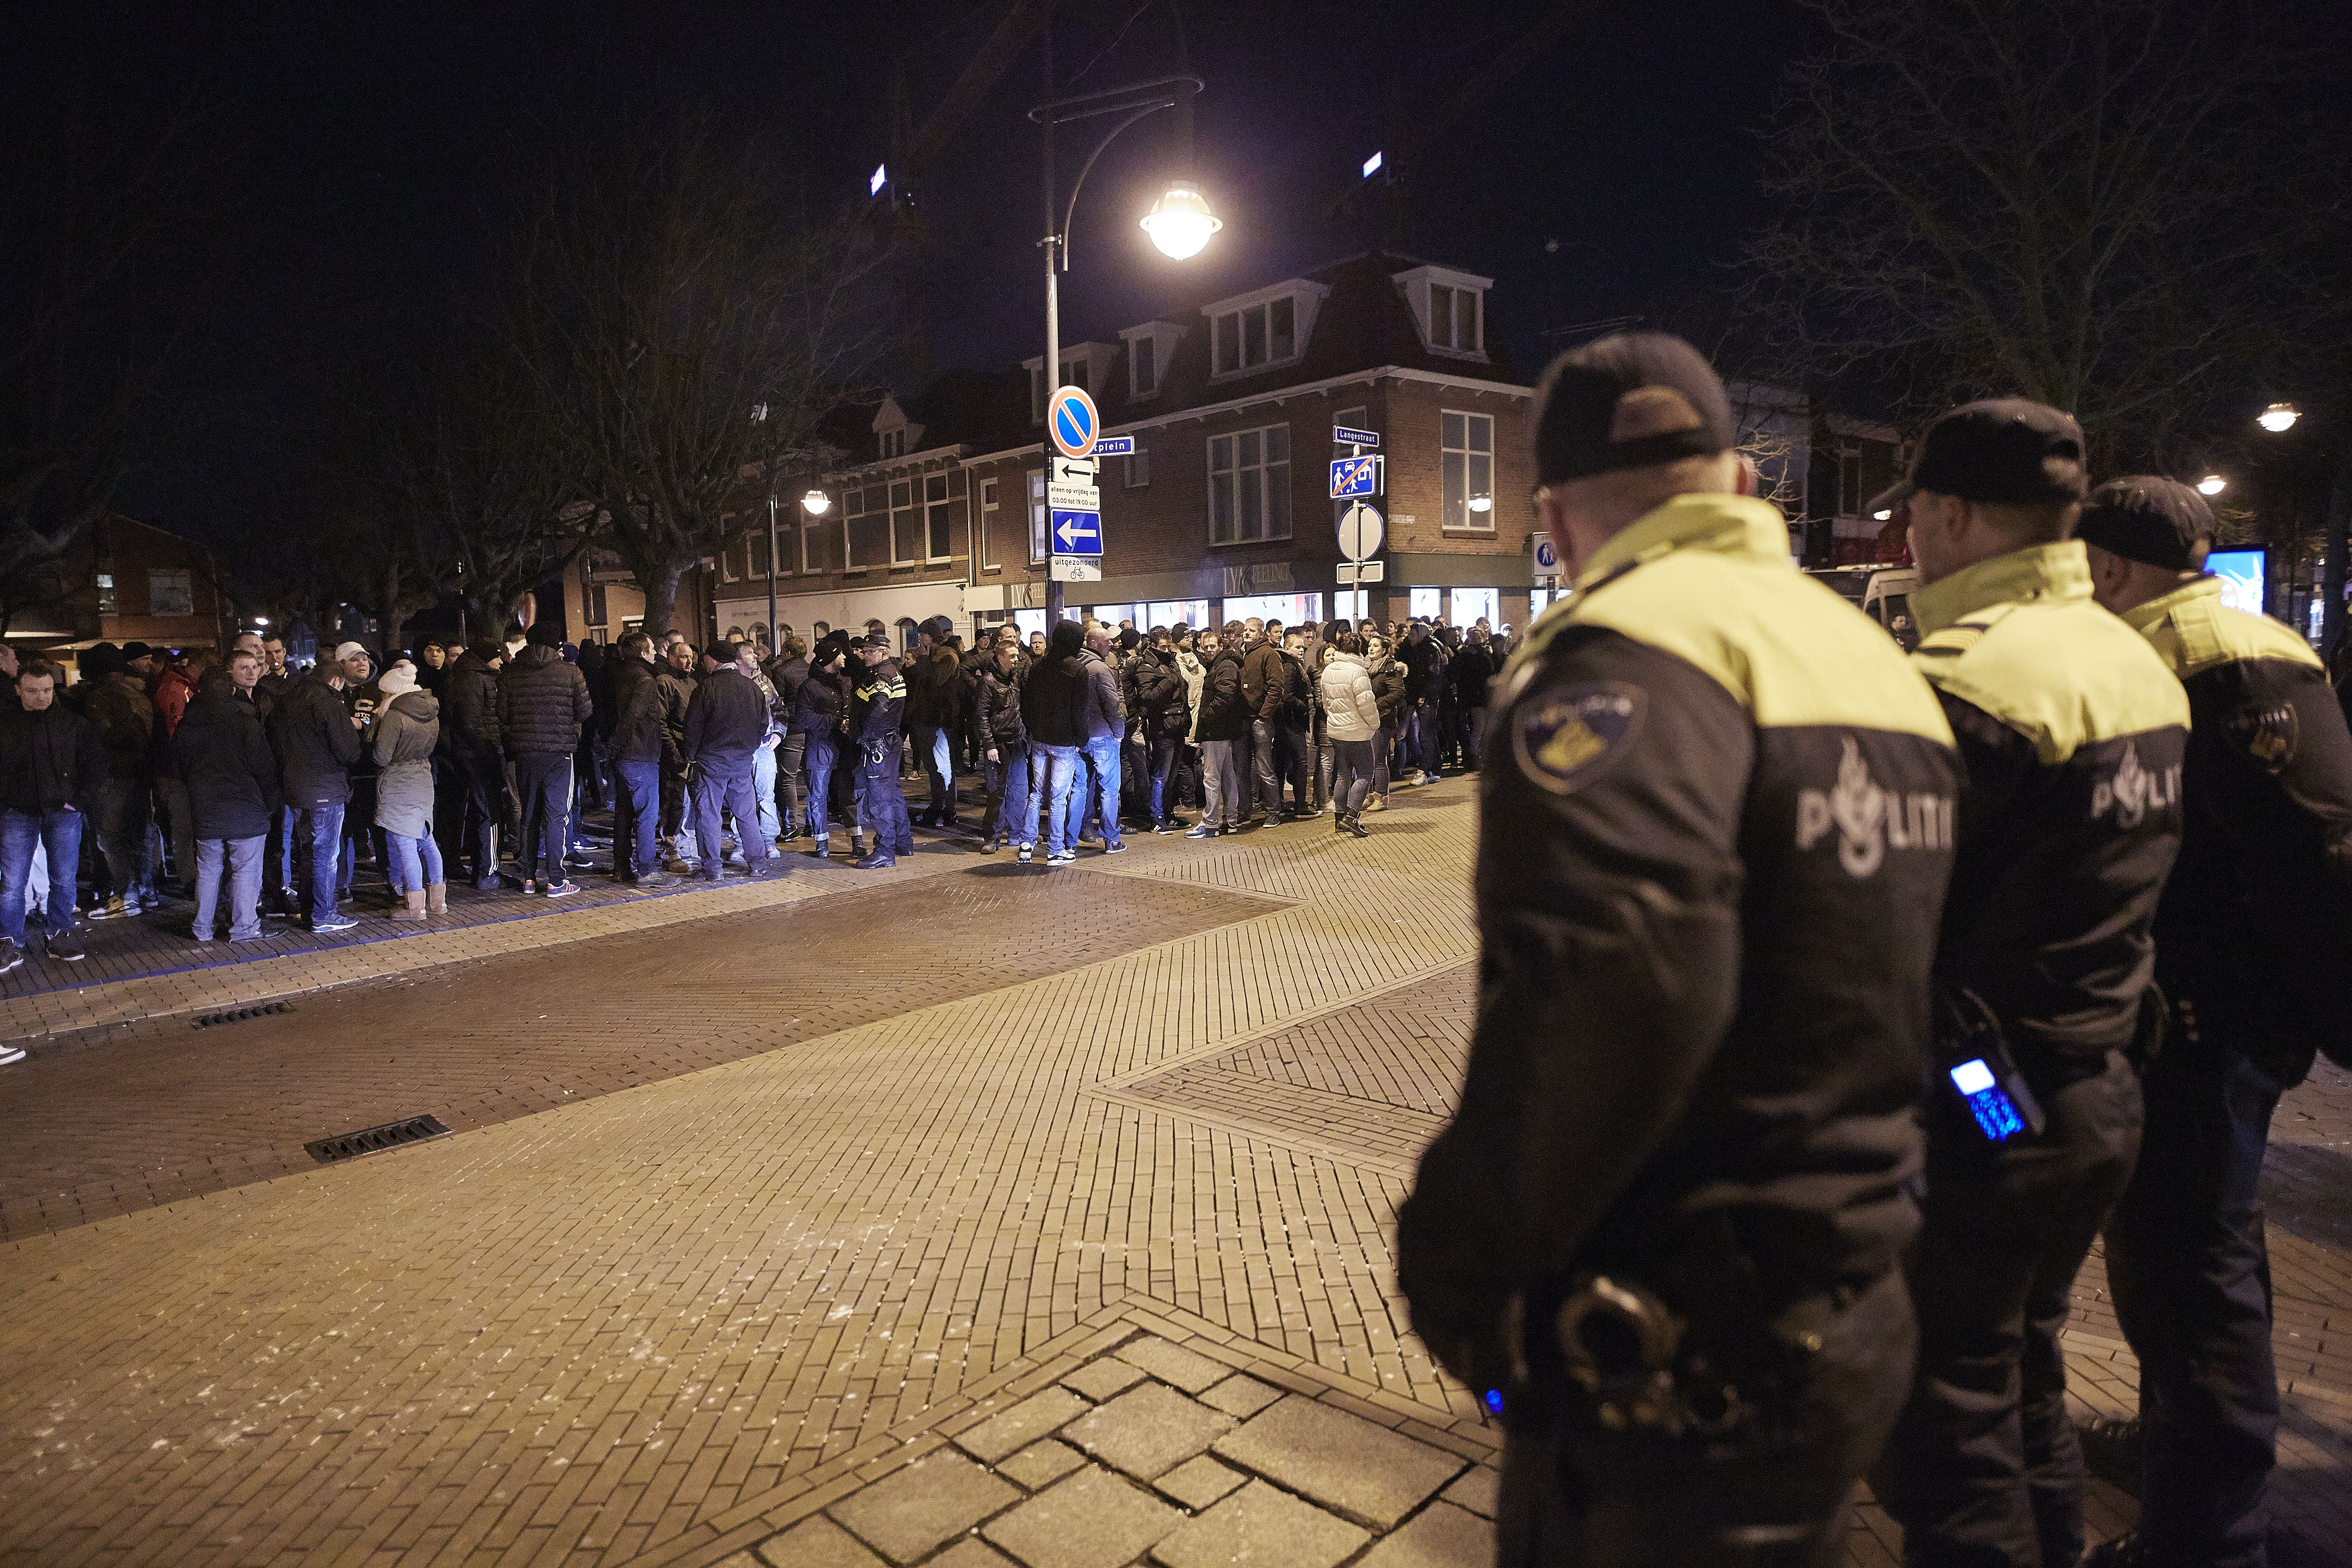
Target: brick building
1223, 511
123, 581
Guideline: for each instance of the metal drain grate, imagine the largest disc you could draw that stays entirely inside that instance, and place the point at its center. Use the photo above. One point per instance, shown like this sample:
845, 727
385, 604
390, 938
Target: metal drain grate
368, 1140
214, 1020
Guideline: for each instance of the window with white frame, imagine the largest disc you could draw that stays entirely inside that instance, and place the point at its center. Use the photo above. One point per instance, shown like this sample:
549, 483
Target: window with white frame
1249, 485
1471, 606
817, 537
760, 558
1139, 465
941, 496
894, 443
1142, 367
1255, 335
1422, 603
1466, 459
989, 523
1454, 318
170, 592
1193, 612
1037, 514
905, 524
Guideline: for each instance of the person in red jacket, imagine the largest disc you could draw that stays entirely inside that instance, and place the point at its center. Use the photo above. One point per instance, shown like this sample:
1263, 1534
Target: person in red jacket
175, 686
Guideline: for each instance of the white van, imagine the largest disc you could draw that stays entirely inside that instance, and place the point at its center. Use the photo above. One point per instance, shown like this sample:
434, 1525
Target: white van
1881, 591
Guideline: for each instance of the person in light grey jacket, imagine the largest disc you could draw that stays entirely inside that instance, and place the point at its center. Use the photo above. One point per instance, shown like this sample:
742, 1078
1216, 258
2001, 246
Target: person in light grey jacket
1352, 714
406, 731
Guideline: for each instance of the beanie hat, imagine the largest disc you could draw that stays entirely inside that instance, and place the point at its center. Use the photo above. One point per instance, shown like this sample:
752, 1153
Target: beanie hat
543, 636
131, 650
400, 677
488, 650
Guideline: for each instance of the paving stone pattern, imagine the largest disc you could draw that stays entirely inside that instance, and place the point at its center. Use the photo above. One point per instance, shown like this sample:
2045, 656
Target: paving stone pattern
710, 1318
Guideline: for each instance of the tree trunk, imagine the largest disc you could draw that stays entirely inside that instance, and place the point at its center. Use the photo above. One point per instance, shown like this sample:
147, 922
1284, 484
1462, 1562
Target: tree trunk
661, 597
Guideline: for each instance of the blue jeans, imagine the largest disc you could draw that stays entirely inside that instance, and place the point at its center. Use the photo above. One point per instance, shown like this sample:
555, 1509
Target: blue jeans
637, 812
822, 755
935, 748
1012, 814
1055, 767
60, 832
406, 856
726, 783
881, 803
317, 841
1102, 762
241, 858
763, 785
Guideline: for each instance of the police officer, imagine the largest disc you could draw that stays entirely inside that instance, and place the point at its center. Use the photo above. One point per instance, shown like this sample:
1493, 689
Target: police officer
2072, 741
876, 707
2250, 942
1660, 1234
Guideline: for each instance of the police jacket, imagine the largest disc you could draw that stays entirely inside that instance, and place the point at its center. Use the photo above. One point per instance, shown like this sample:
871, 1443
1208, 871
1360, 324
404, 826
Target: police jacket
877, 704
638, 733
1715, 830
316, 743
543, 703
727, 719
2253, 935
2071, 738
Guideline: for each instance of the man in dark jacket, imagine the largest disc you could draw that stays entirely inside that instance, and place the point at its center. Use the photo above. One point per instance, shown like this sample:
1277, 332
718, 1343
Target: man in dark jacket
1469, 671
1050, 701
878, 703
317, 739
819, 707
221, 755
1425, 658
1224, 726
1102, 721
52, 765
635, 748
931, 704
725, 723
543, 703
1267, 687
1162, 716
1003, 747
469, 751
788, 674
117, 705
675, 676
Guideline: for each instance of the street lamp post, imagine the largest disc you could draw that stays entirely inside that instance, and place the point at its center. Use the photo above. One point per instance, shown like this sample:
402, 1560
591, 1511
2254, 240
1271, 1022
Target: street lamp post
1179, 222
2278, 419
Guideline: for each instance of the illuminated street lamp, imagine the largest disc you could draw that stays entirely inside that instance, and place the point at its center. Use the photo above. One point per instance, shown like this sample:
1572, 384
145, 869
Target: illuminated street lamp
2279, 417
2211, 484
816, 504
1179, 223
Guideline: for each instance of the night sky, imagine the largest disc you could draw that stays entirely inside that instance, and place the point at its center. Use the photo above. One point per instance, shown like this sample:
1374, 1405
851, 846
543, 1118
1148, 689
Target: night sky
364, 153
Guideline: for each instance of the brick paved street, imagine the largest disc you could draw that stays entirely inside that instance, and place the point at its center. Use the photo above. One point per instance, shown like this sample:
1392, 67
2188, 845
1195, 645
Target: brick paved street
966, 1213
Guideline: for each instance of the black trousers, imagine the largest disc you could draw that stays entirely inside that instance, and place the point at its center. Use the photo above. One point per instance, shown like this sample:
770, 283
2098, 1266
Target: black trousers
543, 779
2191, 1279
485, 810
1983, 1467
1574, 1494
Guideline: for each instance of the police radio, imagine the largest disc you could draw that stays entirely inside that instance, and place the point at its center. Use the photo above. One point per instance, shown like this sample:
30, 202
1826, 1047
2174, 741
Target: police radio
1973, 1056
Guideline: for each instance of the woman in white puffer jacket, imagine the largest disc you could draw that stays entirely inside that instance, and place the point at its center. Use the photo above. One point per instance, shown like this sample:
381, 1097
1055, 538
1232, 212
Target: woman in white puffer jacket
1353, 716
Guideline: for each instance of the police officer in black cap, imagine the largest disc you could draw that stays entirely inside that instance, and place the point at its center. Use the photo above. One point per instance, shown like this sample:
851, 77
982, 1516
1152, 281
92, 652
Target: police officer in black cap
2252, 940
1660, 1236
878, 706
2071, 735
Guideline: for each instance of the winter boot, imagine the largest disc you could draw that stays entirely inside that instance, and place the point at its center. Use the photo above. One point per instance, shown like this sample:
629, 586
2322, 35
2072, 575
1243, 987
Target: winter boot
413, 910
436, 898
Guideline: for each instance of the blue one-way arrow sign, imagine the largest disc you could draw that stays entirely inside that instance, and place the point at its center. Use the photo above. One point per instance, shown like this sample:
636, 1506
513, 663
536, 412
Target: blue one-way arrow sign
1077, 532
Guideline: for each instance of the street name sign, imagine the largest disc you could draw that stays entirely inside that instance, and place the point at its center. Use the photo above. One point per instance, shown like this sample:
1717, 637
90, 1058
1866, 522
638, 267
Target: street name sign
1075, 532
1071, 420
1115, 446
1073, 498
1343, 436
1352, 477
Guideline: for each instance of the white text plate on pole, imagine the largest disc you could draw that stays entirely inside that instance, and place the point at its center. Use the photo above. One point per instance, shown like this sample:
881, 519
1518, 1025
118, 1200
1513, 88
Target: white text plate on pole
1075, 569
1076, 533
1343, 436
1073, 498
1074, 471
1362, 571
1361, 531
1071, 420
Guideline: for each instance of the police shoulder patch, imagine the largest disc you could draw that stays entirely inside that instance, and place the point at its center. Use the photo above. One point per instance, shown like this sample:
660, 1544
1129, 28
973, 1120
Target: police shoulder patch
1564, 736
2266, 733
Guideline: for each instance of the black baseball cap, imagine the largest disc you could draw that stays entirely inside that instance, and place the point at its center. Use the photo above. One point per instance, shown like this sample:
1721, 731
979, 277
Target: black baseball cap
2158, 521
877, 639
2003, 451
1630, 400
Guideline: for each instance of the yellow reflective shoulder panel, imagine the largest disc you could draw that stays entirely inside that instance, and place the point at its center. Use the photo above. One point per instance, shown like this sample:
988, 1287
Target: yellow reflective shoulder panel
1790, 649
2203, 632
2063, 675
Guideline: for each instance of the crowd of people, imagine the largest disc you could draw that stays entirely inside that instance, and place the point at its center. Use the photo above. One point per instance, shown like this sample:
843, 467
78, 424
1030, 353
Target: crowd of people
252, 790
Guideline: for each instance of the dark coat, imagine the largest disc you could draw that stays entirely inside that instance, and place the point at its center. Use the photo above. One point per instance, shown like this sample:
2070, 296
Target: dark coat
1051, 700
1101, 713
124, 715
316, 745
49, 760
1470, 671
470, 709
1225, 710
932, 701
727, 717
1424, 668
818, 706
1161, 698
677, 688
1388, 689
402, 740
226, 762
996, 711
1265, 684
638, 733
543, 703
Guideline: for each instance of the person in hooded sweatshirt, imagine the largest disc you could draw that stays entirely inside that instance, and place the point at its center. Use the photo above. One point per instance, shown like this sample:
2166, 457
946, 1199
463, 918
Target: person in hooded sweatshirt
407, 730
221, 754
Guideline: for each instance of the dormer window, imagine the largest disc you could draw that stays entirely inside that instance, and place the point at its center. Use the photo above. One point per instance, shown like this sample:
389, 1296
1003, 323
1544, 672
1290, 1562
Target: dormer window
1085, 366
1449, 307
1149, 347
894, 443
899, 434
1268, 328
